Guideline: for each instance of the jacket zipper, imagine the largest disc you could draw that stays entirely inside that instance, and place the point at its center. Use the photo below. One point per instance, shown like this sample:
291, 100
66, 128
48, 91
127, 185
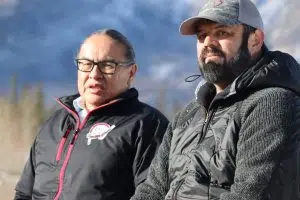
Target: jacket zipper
177, 189
64, 166
69, 152
71, 145
62, 144
206, 122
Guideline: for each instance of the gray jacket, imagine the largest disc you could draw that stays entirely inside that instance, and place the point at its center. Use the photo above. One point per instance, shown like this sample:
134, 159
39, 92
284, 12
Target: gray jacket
242, 144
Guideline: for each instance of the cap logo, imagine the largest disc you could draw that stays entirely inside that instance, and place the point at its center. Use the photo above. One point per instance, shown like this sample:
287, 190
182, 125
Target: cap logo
218, 2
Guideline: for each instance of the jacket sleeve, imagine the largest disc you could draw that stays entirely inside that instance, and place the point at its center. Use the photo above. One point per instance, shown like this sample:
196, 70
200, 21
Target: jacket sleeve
152, 129
156, 185
269, 122
25, 185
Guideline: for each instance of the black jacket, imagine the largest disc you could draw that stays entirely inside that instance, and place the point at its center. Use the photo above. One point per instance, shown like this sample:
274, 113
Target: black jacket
241, 144
104, 158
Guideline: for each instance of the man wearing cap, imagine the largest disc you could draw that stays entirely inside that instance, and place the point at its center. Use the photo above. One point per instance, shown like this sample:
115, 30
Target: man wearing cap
239, 139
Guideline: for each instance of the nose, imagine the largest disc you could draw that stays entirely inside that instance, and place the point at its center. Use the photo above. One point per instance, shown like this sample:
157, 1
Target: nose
209, 40
95, 73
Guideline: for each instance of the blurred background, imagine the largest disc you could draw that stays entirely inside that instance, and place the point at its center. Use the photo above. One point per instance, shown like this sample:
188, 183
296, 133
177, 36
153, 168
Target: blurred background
39, 39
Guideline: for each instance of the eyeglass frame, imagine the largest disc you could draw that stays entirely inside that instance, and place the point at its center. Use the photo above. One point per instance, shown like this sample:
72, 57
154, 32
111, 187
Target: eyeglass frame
117, 63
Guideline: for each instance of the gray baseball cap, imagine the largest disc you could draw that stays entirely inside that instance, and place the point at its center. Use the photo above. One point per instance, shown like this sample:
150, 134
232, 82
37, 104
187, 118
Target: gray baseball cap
227, 12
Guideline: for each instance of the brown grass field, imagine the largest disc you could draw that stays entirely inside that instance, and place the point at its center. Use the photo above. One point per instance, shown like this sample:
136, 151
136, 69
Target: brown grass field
19, 122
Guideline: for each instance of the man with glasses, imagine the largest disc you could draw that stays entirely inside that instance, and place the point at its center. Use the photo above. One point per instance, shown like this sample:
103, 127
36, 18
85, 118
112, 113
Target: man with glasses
100, 144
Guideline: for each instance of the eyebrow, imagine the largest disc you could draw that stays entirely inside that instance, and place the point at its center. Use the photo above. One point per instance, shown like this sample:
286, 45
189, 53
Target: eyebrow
83, 58
216, 27
221, 26
107, 58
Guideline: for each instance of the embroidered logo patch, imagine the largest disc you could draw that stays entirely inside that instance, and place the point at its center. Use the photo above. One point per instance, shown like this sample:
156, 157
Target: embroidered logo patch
99, 131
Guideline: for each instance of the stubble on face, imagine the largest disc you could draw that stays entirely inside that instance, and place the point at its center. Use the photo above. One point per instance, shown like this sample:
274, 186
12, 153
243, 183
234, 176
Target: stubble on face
228, 70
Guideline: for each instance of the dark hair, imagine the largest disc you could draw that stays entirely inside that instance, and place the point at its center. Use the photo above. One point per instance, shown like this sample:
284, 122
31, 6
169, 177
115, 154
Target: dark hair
247, 31
119, 37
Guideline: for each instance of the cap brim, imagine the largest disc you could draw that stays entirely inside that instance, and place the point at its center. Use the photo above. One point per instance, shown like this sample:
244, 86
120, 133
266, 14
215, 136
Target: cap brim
188, 26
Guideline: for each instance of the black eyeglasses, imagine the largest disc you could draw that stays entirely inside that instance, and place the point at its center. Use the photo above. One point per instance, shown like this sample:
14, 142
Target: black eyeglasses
105, 66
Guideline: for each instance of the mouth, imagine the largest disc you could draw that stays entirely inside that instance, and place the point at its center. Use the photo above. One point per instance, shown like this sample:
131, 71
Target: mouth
212, 54
95, 88
212, 57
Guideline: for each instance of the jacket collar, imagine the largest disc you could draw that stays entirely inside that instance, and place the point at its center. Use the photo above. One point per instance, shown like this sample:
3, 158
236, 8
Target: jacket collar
67, 101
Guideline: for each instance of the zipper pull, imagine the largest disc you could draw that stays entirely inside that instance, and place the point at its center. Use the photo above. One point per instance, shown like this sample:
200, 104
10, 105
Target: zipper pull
206, 118
62, 144
75, 135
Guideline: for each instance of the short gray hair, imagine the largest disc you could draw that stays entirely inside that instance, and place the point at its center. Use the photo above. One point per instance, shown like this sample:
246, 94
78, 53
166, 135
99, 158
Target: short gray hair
119, 37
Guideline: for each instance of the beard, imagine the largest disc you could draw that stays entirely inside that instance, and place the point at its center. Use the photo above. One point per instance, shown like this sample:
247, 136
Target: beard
226, 72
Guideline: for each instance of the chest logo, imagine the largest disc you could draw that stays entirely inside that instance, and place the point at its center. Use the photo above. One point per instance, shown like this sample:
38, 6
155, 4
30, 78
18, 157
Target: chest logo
98, 131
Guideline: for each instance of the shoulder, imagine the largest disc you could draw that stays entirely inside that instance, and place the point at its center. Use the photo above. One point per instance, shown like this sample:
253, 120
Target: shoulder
270, 94
283, 58
185, 115
58, 115
271, 100
54, 120
147, 111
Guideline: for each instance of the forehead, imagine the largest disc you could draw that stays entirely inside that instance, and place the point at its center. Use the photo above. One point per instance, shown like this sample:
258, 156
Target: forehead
208, 25
100, 46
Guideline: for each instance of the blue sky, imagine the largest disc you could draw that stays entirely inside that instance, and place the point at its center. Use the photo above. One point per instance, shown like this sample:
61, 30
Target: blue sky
38, 40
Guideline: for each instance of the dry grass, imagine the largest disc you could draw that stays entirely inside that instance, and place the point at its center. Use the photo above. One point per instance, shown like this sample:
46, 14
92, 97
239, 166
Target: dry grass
19, 123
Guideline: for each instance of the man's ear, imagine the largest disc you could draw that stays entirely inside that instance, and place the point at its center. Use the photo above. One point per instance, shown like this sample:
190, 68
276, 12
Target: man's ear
132, 73
255, 42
